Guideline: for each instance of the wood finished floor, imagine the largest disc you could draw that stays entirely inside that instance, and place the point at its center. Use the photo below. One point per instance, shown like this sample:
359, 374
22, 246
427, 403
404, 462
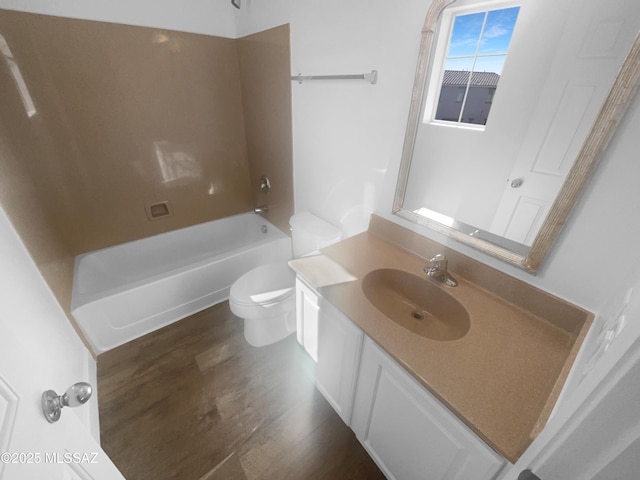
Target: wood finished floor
194, 401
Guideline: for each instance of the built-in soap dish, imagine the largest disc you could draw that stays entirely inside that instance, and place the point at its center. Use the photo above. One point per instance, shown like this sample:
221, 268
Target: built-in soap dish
158, 210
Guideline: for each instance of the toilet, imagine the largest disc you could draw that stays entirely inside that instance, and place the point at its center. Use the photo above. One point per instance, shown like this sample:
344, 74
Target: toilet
265, 296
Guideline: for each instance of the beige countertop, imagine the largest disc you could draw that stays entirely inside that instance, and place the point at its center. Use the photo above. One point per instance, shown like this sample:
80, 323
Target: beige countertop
501, 379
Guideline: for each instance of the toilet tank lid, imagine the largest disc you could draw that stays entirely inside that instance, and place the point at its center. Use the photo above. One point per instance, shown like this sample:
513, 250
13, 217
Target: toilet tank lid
313, 225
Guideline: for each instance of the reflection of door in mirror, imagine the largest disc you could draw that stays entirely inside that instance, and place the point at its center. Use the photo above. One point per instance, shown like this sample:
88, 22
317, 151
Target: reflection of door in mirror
584, 64
561, 63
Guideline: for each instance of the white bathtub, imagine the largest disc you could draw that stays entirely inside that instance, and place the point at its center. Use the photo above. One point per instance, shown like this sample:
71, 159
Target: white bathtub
126, 291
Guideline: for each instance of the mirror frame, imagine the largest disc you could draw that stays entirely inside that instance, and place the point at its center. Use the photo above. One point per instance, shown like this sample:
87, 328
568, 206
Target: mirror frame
604, 126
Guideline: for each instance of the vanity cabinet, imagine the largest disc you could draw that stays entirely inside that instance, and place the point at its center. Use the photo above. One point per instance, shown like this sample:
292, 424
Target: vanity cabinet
334, 342
339, 347
408, 432
405, 429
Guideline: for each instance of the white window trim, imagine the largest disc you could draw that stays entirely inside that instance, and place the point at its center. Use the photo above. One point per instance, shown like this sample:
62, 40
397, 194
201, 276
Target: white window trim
436, 70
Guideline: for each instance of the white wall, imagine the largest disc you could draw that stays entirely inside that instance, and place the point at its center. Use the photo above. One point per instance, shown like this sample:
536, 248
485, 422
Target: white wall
348, 134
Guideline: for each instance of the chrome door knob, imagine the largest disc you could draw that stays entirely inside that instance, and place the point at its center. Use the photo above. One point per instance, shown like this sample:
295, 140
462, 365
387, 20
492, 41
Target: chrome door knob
517, 183
76, 395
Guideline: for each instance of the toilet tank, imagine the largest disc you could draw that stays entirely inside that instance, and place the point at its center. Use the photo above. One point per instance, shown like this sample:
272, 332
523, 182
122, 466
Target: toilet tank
309, 233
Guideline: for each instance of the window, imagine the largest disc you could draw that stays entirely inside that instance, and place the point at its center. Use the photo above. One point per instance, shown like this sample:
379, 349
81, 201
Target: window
470, 63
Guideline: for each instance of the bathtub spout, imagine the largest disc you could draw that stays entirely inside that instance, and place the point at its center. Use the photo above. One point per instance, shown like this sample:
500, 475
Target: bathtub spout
261, 209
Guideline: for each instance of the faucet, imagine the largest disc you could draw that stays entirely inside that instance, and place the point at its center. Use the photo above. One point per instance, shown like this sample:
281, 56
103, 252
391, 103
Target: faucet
437, 269
261, 209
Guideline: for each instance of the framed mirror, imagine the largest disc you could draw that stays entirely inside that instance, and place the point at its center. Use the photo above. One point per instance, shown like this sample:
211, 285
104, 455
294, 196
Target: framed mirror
503, 172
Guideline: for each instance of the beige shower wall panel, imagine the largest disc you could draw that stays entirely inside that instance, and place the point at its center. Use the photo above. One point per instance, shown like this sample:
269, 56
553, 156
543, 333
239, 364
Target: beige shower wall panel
265, 76
28, 156
126, 117
19, 197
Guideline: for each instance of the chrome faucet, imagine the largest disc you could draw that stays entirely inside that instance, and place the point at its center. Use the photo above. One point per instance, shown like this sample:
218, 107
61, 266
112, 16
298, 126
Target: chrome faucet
261, 209
437, 269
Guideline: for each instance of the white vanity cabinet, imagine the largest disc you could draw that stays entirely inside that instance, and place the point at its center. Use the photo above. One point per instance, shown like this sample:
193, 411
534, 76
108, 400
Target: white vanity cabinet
405, 429
408, 432
334, 342
339, 347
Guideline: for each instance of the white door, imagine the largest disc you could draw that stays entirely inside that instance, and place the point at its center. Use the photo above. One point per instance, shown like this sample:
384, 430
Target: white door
39, 351
584, 68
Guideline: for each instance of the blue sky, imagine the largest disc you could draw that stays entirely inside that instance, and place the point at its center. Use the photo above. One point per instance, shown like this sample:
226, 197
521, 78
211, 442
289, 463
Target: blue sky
495, 39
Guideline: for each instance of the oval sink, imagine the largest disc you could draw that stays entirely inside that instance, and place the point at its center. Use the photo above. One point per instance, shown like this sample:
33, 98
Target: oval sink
416, 304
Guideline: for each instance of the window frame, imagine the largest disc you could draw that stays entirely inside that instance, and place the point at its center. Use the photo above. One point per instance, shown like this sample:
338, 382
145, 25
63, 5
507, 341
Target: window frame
433, 84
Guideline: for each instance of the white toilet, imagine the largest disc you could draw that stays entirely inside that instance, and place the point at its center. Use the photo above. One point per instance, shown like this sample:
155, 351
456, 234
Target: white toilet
265, 296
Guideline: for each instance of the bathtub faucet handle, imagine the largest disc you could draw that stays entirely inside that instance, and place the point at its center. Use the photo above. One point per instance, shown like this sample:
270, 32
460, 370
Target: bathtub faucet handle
265, 184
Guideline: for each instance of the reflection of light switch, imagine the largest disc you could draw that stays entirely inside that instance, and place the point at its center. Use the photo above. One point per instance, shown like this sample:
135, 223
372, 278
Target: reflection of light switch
613, 329
619, 307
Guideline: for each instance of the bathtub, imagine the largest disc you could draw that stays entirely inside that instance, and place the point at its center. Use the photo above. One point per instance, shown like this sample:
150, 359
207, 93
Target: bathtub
126, 291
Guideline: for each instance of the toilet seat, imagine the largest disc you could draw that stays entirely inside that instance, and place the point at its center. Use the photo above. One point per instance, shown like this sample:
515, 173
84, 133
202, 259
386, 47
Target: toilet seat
265, 298
264, 286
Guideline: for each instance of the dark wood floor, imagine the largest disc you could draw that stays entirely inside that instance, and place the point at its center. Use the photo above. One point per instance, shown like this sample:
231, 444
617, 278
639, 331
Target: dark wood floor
194, 401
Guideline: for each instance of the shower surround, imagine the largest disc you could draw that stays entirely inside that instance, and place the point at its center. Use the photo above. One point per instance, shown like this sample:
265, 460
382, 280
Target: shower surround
127, 117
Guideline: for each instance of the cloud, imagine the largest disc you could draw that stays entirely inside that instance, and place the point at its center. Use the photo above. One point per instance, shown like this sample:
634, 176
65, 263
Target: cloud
496, 30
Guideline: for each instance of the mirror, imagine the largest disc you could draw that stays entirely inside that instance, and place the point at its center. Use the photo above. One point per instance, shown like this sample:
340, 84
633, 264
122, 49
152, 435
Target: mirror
506, 187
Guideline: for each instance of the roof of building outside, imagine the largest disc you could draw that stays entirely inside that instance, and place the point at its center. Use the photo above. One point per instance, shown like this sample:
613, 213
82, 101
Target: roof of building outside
461, 77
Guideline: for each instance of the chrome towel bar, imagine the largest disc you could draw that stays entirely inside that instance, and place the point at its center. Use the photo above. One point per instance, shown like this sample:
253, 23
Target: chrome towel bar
370, 77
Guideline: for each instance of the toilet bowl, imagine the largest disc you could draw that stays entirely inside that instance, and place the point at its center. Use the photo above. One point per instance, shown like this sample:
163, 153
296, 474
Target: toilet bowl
265, 296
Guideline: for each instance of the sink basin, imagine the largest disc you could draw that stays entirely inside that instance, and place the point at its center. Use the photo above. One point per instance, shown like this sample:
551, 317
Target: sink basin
417, 304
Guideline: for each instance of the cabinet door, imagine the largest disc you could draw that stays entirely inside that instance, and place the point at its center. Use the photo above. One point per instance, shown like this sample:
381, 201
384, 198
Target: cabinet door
339, 346
307, 318
408, 432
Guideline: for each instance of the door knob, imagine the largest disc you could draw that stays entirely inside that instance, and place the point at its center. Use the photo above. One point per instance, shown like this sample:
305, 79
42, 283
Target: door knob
76, 395
517, 183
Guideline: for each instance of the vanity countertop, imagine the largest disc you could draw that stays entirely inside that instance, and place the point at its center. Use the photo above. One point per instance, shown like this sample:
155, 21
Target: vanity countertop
502, 378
